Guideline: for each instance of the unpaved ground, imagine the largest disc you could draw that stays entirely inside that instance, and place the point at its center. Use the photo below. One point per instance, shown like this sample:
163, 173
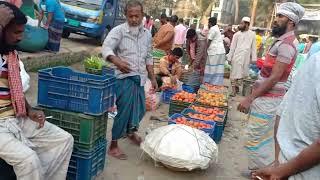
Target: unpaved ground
232, 159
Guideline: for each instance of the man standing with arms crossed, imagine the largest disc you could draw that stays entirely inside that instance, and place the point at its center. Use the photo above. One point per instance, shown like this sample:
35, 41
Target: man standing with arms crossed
269, 89
129, 47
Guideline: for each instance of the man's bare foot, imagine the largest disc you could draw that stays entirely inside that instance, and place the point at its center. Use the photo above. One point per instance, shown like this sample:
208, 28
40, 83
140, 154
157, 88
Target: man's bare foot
135, 139
117, 153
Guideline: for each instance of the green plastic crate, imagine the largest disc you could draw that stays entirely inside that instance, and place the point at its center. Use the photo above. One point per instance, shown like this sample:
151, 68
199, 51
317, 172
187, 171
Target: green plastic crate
85, 129
177, 107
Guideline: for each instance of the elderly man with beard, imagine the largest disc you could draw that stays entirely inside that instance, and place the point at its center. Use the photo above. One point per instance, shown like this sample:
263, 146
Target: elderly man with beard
242, 53
129, 47
269, 89
36, 149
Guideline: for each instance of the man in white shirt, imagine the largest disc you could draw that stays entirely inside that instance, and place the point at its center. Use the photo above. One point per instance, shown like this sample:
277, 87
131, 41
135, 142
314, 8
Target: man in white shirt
214, 69
242, 52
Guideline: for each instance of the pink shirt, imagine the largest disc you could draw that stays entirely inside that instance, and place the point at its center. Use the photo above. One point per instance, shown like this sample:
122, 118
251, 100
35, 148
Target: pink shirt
180, 33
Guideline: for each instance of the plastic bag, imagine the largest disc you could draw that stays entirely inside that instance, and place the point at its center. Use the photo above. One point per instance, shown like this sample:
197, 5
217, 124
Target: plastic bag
181, 147
32, 22
152, 101
152, 98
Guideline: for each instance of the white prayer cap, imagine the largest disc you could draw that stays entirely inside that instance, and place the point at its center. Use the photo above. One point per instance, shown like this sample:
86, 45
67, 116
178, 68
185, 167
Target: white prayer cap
291, 10
246, 19
157, 20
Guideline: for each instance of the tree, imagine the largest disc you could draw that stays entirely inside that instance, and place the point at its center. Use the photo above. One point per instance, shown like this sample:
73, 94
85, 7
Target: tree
236, 9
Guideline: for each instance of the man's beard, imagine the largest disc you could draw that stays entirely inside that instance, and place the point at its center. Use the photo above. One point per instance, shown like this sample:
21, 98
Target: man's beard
278, 31
242, 28
134, 30
5, 48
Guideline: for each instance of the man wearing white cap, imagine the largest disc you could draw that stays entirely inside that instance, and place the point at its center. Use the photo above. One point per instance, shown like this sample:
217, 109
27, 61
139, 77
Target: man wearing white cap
269, 89
242, 52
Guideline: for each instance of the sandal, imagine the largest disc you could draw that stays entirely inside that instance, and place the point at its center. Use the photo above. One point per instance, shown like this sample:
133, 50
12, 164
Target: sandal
120, 156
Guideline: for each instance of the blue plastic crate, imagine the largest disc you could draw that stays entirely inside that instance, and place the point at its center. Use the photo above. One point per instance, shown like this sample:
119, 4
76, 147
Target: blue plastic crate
209, 131
218, 126
188, 88
63, 88
167, 94
86, 166
108, 70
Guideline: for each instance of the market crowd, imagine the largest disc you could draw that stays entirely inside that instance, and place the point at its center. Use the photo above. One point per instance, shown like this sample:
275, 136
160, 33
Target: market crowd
283, 131
282, 134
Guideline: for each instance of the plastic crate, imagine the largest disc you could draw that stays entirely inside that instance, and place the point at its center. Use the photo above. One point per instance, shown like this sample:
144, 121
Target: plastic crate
177, 106
104, 70
209, 131
63, 88
188, 88
85, 129
86, 166
167, 94
218, 125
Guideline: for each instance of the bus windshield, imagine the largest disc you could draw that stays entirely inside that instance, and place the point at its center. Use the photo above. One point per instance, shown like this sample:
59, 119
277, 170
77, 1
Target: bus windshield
87, 4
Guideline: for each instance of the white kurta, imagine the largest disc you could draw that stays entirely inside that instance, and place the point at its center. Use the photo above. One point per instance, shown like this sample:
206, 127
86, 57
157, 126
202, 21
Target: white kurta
299, 124
242, 52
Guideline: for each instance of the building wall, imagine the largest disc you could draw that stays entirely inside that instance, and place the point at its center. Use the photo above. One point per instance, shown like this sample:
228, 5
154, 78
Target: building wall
224, 11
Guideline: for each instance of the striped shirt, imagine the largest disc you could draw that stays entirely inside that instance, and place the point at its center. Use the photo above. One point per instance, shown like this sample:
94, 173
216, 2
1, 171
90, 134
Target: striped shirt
133, 49
6, 109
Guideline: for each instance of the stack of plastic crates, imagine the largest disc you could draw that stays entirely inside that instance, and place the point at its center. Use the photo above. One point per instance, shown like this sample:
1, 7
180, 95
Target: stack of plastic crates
78, 103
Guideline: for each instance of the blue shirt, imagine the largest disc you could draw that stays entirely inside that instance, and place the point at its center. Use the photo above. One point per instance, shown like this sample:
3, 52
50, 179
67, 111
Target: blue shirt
53, 6
314, 49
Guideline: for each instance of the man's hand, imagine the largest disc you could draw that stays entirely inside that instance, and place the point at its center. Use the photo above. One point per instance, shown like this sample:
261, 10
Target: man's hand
269, 173
37, 116
154, 85
173, 79
6, 15
244, 105
121, 65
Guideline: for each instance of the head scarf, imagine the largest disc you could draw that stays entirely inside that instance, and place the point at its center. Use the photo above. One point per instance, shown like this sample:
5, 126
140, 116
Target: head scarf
291, 10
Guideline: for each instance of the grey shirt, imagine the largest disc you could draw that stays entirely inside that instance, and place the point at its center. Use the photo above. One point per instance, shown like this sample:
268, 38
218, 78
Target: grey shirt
133, 49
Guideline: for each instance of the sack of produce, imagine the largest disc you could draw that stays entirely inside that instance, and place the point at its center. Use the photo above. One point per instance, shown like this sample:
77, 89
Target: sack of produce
35, 39
181, 147
152, 98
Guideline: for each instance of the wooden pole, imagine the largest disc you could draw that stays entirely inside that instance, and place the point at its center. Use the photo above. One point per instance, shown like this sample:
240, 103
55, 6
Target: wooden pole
236, 13
254, 10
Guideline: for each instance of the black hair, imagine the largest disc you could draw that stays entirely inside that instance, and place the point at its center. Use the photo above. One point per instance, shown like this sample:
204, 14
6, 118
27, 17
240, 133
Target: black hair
174, 19
148, 16
133, 3
163, 16
177, 52
304, 40
213, 21
19, 18
181, 20
191, 33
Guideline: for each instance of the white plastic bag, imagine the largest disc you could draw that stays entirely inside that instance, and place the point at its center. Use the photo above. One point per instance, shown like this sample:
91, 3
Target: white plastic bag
181, 147
32, 22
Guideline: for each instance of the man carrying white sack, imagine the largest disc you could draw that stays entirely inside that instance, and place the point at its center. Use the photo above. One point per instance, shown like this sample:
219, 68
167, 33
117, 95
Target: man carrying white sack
36, 149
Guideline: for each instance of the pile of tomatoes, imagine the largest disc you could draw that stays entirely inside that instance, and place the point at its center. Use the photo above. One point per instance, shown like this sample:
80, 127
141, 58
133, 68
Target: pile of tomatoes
184, 97
193, 124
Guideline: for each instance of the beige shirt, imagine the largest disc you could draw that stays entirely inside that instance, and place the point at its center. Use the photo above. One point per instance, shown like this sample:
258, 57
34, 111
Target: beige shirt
176, 68
242, 52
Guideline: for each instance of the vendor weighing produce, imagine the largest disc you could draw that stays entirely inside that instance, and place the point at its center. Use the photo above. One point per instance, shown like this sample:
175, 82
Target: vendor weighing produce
170, 66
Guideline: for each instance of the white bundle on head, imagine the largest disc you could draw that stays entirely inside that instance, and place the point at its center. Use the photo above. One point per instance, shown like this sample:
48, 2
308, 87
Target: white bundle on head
291, 10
